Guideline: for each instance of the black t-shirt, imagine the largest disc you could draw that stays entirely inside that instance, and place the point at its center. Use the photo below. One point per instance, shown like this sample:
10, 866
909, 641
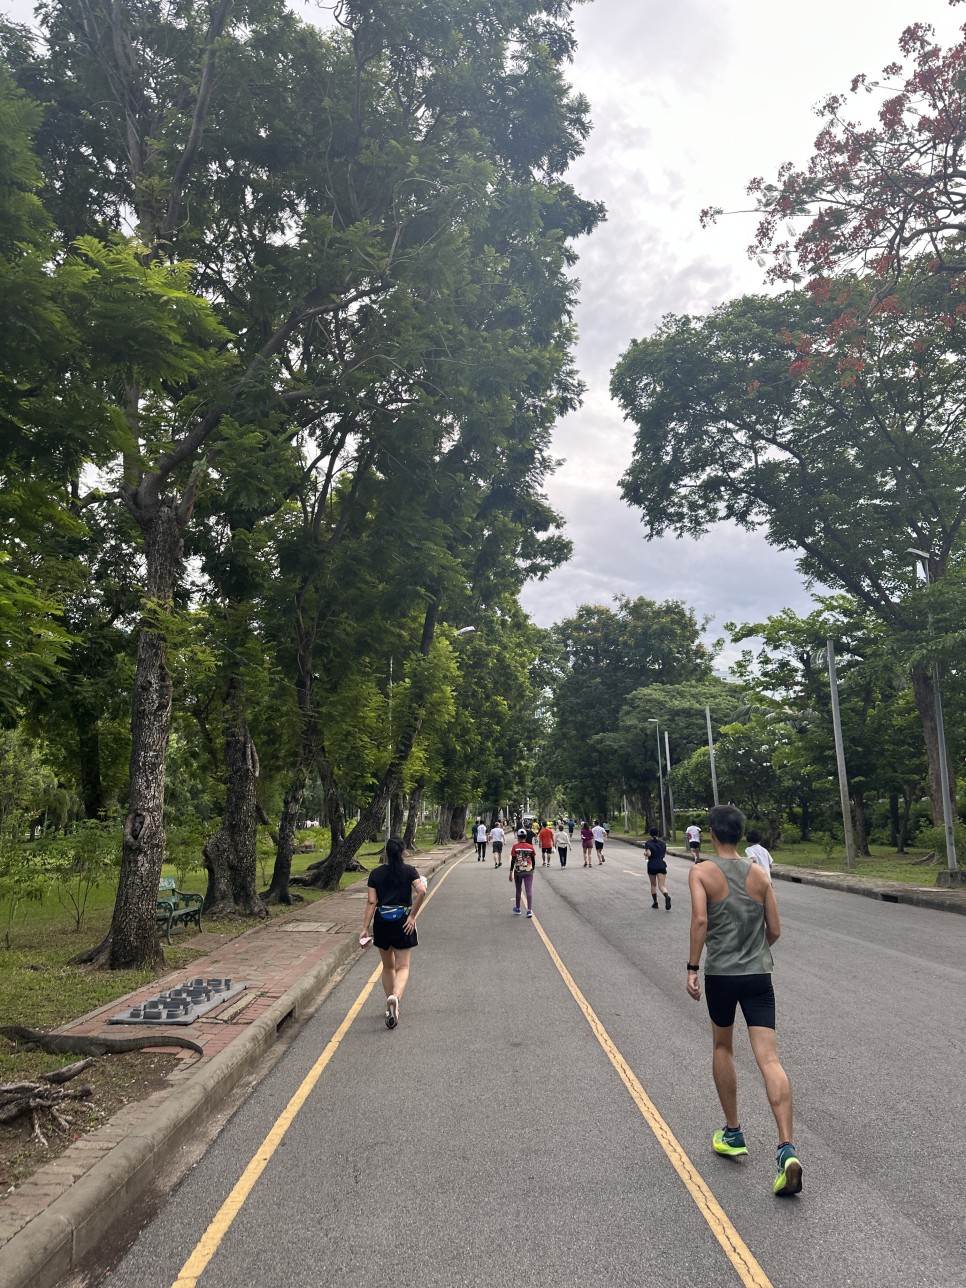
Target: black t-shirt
393, 886
655, 850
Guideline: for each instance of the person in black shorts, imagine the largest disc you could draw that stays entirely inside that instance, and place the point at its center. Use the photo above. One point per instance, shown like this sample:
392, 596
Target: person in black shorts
734, 915
656, 850
396, 893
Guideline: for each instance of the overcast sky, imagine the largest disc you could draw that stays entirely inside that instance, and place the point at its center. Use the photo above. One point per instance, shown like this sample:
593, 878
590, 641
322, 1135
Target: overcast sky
690, 99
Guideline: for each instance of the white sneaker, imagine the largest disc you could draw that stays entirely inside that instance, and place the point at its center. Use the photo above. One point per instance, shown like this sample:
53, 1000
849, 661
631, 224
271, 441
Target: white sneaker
392, 1011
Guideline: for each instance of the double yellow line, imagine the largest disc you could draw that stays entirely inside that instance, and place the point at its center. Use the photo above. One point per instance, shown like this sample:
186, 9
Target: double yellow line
737, 1251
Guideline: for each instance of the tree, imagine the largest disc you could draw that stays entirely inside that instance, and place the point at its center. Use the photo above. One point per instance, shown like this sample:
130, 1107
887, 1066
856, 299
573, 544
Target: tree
764, 413
876, 195
603, 655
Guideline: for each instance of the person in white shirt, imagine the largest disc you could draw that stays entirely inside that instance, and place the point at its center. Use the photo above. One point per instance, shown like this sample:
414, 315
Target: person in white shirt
600, 836
496, 840
561, 839
480, 835
757, 852
693, 833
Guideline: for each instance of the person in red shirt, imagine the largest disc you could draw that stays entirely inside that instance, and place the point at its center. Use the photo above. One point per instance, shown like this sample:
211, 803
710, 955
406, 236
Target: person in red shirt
545, 838
523, 861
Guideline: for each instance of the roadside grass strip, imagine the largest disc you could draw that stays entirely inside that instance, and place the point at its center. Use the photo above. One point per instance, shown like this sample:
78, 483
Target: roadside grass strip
211, 1240
736, 1250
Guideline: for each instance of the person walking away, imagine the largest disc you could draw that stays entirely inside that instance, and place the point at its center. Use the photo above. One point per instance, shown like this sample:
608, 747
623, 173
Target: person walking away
734, 915
496, 841
396, 892
546, 843
656, 852
561, 839
756, 851
600, 836
693, 834
480, 840
570, 827
523, 861
586, 842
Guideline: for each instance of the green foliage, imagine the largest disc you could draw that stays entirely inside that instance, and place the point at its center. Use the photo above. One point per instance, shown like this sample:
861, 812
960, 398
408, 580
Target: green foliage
79, 864
185, 843
22, 879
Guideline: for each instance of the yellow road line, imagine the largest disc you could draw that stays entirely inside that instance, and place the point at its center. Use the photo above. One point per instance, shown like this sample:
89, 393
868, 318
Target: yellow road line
630, 872
210, 1241
736, 1250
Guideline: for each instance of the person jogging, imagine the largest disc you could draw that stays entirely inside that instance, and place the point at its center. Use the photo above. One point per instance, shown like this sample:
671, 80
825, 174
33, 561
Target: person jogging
600, 836
496, 841
545, 838
561, 839
656, 850
395, 894
523, 861
480, 841
586, 842
756, 851
734, 915
693, 833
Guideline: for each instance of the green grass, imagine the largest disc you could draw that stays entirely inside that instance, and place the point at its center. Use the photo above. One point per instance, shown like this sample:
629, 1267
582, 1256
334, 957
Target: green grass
40, 990
884, 863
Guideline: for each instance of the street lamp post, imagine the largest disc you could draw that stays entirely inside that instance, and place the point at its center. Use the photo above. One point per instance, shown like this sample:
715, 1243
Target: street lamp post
660, 772
670, 793
951, 864
833, 684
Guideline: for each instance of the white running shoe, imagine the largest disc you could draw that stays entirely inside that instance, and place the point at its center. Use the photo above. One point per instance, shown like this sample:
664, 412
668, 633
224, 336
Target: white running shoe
392, 1011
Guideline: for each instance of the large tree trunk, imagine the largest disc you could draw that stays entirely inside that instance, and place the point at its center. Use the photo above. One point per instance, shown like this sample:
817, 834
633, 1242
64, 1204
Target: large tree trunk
922, 687
132, 940
412, 818
457, 826
230, 854
278, 891
444, 824
89, 765
334, 810
396, 815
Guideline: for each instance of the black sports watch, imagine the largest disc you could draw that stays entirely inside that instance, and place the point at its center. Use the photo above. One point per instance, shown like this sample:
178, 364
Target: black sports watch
691, 966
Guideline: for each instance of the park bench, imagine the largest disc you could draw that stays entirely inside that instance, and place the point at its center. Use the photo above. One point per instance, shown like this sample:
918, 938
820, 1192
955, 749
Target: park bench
176, 908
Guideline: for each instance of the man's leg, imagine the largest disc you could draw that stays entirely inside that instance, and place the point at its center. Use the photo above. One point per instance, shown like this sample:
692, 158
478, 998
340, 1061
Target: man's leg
777, 1087
725, 1074
528, 882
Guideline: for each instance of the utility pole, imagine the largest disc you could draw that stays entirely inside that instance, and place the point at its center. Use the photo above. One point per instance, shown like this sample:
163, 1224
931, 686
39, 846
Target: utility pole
714, 776
670, 794
660, 772
833, 684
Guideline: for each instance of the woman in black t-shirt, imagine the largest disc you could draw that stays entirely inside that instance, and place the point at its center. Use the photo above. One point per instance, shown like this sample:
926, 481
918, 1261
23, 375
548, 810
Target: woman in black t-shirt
396, 892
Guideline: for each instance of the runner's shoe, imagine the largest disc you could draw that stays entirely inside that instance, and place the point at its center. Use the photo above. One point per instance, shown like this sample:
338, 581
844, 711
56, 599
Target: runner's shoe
667, 901
516, 911
654, 901
392, 1011
789, 1178
529, 912
730, 1142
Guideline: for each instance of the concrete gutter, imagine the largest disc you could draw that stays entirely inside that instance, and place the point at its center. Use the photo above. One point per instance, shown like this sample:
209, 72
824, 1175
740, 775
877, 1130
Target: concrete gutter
75, 1223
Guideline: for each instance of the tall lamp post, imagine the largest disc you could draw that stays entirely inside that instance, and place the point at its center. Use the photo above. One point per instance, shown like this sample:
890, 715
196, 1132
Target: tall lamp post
660, 772
951, 864
714, 776
670, 793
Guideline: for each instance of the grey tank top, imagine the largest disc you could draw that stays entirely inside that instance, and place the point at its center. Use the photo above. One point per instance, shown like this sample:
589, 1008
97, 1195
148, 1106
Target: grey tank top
736, 943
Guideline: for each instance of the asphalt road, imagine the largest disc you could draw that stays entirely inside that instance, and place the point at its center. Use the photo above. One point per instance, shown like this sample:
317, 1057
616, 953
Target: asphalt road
489, 1140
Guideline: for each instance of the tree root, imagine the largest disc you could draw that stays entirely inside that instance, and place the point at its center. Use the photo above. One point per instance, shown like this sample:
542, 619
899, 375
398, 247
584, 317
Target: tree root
36, 1098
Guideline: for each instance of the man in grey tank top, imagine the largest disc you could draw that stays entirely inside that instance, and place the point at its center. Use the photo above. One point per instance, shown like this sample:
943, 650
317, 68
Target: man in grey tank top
734, 915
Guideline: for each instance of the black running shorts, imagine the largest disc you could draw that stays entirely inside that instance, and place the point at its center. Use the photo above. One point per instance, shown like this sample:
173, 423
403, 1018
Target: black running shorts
753, 993
497, 847
598, 846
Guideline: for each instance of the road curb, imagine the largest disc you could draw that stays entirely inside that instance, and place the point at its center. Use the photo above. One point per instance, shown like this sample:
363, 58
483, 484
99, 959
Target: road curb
58, 1239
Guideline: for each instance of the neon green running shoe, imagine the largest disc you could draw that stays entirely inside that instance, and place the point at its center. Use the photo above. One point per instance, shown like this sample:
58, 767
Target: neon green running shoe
789, 1178
731, 1142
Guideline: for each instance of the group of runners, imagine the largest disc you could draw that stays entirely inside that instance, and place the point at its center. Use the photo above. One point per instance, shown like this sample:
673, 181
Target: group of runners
734, 924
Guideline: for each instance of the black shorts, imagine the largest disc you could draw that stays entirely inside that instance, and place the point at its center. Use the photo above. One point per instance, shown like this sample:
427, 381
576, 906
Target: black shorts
598, 845
694, 845
390, 934
653, 869
753, 993
547, 854
497, 847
